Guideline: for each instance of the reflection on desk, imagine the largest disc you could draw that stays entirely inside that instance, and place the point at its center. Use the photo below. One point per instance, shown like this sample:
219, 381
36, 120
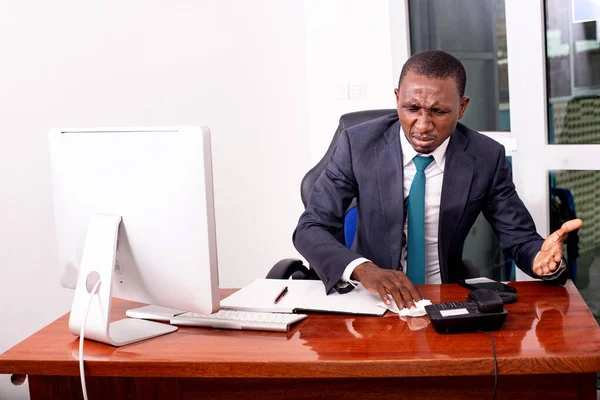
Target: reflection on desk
549, 346
536, 324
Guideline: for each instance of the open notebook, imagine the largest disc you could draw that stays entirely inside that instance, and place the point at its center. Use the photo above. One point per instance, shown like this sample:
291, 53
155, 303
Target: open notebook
301, 296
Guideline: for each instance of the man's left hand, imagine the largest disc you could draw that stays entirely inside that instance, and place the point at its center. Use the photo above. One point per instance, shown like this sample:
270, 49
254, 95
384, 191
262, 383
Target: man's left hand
548, 259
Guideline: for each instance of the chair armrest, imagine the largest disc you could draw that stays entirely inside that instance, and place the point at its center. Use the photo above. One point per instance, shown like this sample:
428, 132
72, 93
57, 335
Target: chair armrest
288, 267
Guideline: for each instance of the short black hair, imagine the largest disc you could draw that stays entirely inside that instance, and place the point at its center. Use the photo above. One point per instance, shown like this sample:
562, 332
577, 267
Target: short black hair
436, 64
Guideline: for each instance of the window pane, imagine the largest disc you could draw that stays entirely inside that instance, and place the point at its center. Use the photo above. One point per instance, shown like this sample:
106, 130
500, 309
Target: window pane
573, 77
575, 193
474, 31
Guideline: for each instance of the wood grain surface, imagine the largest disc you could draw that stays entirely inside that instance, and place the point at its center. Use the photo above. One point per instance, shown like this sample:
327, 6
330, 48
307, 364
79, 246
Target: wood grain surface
549, 330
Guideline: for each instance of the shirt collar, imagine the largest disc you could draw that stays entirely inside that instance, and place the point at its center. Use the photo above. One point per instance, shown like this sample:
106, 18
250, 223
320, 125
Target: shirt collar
408, 153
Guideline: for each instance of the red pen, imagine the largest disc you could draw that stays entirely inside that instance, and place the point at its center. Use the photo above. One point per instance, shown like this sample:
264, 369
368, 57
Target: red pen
280, 295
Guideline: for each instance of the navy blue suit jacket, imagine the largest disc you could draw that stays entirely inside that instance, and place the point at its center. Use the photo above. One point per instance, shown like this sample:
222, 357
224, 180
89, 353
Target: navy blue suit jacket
367, 165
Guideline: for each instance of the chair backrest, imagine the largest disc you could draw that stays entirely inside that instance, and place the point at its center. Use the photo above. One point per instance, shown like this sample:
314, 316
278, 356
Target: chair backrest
346, 121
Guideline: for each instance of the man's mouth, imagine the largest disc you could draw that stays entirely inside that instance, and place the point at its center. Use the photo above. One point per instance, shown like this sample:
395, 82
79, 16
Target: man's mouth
424, 139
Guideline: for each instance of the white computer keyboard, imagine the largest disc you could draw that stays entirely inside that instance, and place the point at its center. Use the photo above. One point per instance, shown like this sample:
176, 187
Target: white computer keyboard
229, 319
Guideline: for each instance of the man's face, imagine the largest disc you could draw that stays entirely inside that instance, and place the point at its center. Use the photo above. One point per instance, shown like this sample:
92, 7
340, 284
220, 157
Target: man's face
428, 109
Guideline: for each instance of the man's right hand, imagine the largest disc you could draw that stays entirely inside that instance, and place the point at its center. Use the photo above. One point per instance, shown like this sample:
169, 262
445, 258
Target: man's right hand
384, 281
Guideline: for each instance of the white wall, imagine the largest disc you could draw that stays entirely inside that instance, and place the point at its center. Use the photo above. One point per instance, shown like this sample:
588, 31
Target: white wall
236, 66
270, 78
348, 51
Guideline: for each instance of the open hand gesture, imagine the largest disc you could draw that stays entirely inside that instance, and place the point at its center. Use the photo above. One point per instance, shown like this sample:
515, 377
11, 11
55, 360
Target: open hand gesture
549, 257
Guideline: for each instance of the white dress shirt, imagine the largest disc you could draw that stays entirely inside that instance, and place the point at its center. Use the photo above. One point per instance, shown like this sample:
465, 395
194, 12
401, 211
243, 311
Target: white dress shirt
434, 176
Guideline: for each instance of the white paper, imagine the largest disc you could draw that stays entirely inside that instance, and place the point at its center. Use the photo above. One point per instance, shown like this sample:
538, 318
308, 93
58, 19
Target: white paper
302, 294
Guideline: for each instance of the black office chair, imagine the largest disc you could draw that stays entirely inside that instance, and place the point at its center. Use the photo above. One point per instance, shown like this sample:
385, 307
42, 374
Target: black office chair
295, 268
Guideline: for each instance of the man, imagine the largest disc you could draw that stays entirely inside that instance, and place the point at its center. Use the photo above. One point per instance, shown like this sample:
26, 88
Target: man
420, 180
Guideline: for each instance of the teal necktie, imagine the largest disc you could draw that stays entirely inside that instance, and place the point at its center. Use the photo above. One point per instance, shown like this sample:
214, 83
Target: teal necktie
415, 253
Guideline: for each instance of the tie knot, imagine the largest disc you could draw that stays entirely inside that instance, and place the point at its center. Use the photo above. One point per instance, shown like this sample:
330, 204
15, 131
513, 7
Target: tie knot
422, 162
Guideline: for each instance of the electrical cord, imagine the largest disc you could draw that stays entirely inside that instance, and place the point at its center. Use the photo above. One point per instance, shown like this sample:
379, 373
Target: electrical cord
81, 340
495, 364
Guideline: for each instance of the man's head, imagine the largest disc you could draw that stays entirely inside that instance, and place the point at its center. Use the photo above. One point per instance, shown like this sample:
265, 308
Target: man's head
430, 98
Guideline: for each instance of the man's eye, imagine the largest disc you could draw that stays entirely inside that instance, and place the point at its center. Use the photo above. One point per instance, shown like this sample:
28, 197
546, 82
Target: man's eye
439, 112
412, 109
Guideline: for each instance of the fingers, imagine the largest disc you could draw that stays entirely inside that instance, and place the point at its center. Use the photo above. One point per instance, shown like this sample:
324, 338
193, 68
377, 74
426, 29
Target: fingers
549, 267
402, 295
572, 225
558, 254
408, 290
383, 293
542, 269
555, 239
554, 255
411, 289
562, 233
414, 292
399, 298
548, 261
388, 283
539, 263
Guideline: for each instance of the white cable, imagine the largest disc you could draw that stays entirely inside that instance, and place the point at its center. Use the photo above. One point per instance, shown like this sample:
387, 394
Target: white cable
81, 371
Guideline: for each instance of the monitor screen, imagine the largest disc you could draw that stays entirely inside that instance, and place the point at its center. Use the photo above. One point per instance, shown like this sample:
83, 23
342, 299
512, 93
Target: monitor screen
159, 182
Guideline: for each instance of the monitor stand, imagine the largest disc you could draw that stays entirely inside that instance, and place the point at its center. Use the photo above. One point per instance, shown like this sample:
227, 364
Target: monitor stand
98, 262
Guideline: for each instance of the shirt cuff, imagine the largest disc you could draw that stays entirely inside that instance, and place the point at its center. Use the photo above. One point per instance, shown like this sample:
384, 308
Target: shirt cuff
345, 279
351, 267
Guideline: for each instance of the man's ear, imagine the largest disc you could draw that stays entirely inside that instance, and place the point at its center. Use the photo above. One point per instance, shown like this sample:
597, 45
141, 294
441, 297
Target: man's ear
397, 94
463, 106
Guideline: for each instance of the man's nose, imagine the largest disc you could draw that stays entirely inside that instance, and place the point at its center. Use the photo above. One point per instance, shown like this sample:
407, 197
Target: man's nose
424, 123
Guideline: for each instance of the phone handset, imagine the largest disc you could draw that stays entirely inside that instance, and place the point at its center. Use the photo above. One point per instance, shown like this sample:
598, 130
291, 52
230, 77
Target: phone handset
488, 301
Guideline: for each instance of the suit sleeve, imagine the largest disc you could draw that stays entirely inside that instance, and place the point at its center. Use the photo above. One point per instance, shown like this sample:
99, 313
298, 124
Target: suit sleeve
510, 219
331, 195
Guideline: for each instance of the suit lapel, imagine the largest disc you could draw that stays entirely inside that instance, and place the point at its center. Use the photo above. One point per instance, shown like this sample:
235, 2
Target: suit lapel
458, 173
390, 181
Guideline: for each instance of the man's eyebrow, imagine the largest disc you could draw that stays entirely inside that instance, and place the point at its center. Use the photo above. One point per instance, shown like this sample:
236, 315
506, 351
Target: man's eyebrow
411, 103
437, 104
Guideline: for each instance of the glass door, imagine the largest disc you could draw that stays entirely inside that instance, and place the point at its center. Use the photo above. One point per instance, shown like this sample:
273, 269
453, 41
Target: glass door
554, 82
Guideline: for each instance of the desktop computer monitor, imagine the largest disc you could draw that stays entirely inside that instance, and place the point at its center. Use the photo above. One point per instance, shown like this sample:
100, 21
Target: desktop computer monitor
134, 209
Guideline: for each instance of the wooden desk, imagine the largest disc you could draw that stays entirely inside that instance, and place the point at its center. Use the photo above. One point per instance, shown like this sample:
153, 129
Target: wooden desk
548, 348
